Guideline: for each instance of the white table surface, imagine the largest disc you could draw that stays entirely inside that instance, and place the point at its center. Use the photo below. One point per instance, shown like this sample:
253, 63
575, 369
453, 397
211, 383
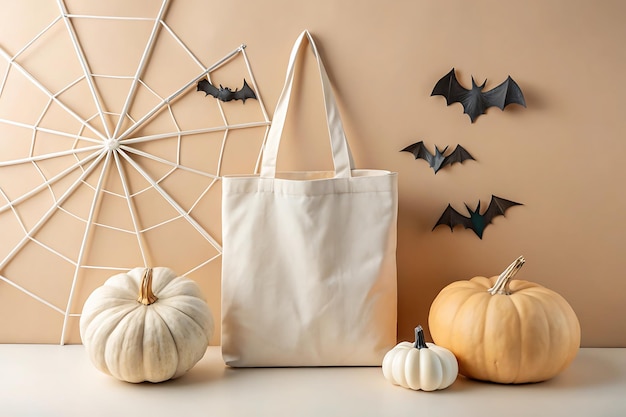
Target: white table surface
49, 380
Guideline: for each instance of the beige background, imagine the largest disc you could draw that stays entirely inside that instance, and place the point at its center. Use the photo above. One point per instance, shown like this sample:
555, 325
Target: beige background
560, 157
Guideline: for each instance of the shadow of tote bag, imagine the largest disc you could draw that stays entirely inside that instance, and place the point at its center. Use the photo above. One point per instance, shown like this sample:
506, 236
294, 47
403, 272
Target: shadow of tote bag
309, 258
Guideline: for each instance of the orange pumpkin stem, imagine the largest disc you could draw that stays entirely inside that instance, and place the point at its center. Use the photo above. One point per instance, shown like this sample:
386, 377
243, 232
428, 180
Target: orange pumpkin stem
502, 283
420, 342
146, 296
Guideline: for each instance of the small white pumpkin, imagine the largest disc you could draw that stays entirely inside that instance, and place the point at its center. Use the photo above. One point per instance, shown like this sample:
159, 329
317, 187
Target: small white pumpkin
146, 325
420, 365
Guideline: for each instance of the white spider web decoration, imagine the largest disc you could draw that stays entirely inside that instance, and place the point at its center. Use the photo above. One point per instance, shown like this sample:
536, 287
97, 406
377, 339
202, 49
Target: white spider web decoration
107, 167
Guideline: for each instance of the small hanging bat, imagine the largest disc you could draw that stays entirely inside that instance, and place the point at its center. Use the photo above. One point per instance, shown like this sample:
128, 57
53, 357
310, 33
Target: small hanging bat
477, 222
225, 93
476, 102
438, 161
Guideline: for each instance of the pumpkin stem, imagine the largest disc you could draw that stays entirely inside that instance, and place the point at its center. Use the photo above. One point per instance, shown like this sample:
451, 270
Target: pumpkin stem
146, 296
502, 283
420, 343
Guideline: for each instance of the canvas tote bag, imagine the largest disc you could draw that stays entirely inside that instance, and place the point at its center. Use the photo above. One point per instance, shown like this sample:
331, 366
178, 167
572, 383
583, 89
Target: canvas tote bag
309, 258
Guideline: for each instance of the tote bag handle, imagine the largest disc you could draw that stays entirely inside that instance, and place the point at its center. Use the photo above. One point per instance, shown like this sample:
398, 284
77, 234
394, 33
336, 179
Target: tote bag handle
342, 158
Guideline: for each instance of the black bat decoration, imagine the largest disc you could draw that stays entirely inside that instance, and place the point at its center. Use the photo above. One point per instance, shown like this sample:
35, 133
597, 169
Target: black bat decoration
477, 222
225, 93
438, 161
476, 102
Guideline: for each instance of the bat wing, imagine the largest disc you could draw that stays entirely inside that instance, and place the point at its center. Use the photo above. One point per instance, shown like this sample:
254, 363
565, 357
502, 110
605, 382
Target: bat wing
420, 152
208, 88
449, 87
452, 218
453, 91
245, 93
497, 207
459, 154
506, 93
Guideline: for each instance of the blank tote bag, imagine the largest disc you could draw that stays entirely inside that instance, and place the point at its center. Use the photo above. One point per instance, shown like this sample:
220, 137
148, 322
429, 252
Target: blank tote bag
309, 258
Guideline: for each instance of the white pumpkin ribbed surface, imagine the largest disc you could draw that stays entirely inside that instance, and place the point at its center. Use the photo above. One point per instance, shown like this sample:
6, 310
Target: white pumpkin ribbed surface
428, 369
135, 342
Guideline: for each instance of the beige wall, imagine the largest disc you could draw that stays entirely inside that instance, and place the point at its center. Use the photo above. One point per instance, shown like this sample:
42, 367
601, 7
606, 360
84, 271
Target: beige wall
560, 157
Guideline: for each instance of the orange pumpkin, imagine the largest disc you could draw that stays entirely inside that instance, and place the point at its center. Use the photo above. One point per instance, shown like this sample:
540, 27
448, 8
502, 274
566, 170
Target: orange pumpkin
505, 331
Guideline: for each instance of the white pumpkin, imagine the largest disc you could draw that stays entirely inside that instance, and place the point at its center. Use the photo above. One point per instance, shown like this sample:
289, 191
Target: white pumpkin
146, 325
420, 365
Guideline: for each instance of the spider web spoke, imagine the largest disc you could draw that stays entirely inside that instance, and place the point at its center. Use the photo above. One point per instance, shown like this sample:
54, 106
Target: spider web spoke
14, 284
133, 212
166, 101
39, 35
5, 77
51, 155
182, 44
18, 218
47, 92
48, 214
142, 64
31, 294
48, 182
174, 165
202, 194
203, 264
84, 65
220, 157
150, 138
83, 245
54, 251
171, 201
